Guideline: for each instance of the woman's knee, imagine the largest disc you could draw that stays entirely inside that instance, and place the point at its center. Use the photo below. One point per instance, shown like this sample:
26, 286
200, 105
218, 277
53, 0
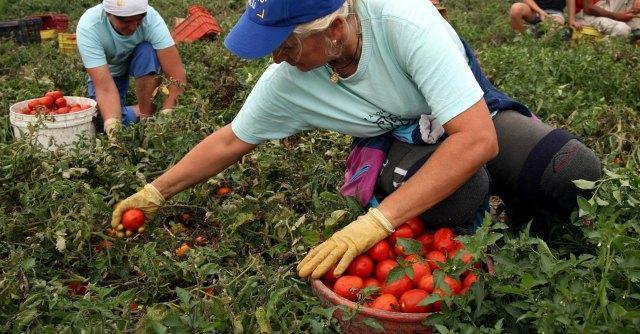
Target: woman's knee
546, 179
574, 161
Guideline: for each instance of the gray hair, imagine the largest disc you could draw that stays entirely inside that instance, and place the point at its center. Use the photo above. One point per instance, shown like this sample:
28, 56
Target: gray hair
319, 25
323, 23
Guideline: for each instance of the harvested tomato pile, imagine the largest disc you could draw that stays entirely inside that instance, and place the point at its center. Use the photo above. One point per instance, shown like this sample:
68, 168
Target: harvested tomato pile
403, 293
52, 103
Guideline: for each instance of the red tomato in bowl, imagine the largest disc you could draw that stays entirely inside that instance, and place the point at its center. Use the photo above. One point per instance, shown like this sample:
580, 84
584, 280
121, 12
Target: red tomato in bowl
416, 225
46, 101
348, 287
61, 102
55, 94
387, 302
409, 301
379, 251
361, 266
383, 268
402, 231
397, 287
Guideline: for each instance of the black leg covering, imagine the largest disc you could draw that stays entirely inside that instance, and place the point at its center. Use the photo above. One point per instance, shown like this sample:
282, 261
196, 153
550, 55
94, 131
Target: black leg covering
457, 210
545, 180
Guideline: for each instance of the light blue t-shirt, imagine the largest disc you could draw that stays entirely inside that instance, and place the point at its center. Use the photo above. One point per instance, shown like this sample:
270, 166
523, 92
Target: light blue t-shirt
412, 63
100, 44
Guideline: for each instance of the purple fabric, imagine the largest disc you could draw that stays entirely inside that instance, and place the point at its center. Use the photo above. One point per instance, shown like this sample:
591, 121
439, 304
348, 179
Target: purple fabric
363, 167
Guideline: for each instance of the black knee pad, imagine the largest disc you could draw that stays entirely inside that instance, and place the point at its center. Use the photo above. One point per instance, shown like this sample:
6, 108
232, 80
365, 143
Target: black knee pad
546, 179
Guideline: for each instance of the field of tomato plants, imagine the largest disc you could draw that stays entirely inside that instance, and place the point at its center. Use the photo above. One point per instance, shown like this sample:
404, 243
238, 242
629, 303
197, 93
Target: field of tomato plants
248, 227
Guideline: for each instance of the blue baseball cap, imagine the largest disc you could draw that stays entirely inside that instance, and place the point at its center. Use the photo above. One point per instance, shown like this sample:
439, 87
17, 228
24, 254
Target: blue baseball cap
265, 24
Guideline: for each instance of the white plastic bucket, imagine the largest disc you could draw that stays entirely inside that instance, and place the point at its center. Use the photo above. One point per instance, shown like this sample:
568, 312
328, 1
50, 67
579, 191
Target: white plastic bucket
53, 131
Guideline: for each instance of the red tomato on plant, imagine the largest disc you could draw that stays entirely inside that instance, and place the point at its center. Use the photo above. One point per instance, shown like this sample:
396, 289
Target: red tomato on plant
416, 225
77, 288
383, 268
348, 287
454, 284
409, 301
387, 302
223, 191
132, 219
361, 266
469, 280
379, 251
402, 231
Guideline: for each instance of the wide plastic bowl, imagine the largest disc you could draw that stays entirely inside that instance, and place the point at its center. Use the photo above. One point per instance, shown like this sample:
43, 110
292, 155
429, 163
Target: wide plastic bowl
392, 322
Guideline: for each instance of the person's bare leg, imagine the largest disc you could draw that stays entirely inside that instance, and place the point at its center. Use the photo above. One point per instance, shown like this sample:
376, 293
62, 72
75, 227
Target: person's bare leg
518, 14
145, 86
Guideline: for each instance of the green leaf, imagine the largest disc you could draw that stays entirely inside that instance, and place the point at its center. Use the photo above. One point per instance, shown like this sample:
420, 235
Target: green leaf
434, 297
584, 184
28, 263
310, 237
263, 320
410, 246
395, 274
336, 217
184, 296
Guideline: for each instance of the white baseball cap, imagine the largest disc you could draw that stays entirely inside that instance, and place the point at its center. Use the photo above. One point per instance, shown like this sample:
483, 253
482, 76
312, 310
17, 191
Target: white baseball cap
125, 7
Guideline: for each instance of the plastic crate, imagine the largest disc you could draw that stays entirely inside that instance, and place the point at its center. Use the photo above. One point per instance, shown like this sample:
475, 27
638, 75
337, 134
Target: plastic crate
194, 9
28, 30
8, 29
48, 34
57, 21
196, 26
67, 43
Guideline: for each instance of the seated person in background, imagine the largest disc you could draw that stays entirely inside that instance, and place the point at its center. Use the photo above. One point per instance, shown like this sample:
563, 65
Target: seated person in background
534, 12
118, 39
611, 17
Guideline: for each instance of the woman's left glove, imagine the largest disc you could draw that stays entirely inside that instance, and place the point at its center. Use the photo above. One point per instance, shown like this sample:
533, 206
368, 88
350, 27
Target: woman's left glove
344, 245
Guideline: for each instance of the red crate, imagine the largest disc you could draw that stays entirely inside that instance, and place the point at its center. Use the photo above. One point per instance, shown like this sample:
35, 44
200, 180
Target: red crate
196, 26
57, 21
193, 9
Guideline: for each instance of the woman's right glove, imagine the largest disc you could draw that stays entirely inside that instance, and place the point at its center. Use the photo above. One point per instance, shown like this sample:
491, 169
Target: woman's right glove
149, 200
343, 246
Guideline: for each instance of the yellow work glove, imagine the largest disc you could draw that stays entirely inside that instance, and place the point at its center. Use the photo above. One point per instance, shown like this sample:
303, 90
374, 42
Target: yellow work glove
111, 126
344, 245
166, 111
149, 200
